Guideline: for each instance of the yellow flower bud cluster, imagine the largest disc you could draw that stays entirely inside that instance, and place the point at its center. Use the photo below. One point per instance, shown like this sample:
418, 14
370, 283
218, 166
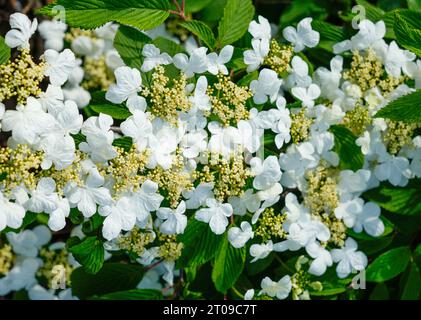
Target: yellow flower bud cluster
97, 74
20, 166
357, 119
270, 225
279, 56
229, 175
6, 259
51, 259
300, 126
135, 241
167, 97
366, 70
337, 230
173, 181
321, 196
229, 101
76, 32
21, 78
127, 169
398, 135
170, 249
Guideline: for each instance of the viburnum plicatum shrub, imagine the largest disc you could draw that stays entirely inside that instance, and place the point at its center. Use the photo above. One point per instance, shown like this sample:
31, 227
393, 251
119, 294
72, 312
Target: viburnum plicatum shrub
151, 154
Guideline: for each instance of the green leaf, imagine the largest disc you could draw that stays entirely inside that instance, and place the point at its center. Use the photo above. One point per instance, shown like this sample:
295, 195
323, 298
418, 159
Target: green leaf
329, 31
412, 287
300, 9
407, 108
229, 264
136, 294
91, 14
129, 43
407, 36
125, 142
350, 154
200, 244
372, 12
196, 5
4, 51
388, 265
201, 30
380, 292
111, 278
101, 105
235, 21
414, 5
91, 226
89, 253
404, 201
168, 46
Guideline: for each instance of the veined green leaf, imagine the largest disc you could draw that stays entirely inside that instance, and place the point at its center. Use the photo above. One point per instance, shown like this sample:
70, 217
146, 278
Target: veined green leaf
388, 265
201, 30
406, 108
235, 21
350, 154
90, 14
4, 51
89, 252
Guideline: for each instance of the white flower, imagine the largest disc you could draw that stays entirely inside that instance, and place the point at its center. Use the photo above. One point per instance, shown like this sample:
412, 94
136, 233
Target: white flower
413, 70
21, 276
38, 292
348, 211
28, 242
59, 65
200, 99
250, 135
369, 220
283, 123
146, 200
77, 94
128, 84
248, 202
52, 99
86, 197
249, 294
224, 140
2, 111
349, 258
307, 95
28, 122
197, 197
395, 59
328, 80
11, 214
261, 30
303, 36
194, 143
322, 259
139, 128
197, 63
43, 198
238, 237
59, 150
216, 215
261, 251
22, 31
394, 169
254, 58
217, 62
69, 120
369, 35
266, 87
153, 58
175, 221
53, 33
280, 289
299, 76
86, 46
267, 173
99, 147
57, 219
119, 216
113, 59
353, 182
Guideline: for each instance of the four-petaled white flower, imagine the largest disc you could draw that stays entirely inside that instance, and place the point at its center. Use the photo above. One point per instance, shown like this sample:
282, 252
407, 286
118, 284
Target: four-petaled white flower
238, 237
261, 251
255, 58
216, 63
266, 87
154, 58
200, 99
307, 95
59, 65
261, 29
322, 259
11, 214
197, 63
174, 221
349, 258
280, 289
22, 31
216, 215
128, 84
303, 36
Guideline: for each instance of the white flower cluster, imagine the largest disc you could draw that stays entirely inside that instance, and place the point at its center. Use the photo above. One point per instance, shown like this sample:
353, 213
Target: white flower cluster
199, 150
